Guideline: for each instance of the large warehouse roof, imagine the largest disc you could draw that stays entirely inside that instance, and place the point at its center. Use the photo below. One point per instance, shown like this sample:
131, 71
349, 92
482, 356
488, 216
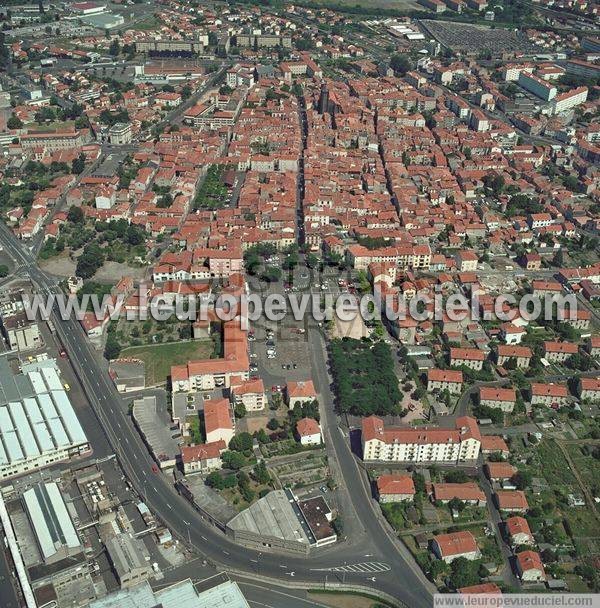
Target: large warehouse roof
36, 416
50, 519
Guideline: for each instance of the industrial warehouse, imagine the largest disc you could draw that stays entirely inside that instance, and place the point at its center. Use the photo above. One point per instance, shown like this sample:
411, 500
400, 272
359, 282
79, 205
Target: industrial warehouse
38, 425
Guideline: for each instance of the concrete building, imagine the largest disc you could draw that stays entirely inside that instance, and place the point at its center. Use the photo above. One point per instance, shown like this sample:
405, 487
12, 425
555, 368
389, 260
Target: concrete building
38, 425
215, 592
120, 133
461, 444
24, 338
55, 141
540, 88
273, 523
569, 99
128, 558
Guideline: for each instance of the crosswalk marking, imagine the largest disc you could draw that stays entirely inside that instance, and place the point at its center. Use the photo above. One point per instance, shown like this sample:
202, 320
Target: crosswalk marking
365, 567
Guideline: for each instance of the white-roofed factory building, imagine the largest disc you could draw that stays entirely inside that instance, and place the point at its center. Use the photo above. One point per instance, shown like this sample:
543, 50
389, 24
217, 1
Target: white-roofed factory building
38, 425
54, 530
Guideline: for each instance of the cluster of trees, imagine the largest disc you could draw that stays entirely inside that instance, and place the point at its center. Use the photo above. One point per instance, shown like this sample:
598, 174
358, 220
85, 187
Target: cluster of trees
364, 378
112, 118
521, 204
112, 348
371, 242
90, 261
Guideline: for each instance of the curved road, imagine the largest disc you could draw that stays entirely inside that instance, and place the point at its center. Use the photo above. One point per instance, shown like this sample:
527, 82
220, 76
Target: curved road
404, 581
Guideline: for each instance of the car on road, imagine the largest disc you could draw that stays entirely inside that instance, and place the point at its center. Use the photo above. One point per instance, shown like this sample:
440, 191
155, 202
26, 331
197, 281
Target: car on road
154, 468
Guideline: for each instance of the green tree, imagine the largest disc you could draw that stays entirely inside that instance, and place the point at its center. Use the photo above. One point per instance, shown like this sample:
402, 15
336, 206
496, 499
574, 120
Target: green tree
14, 122
241, 442
112, 348
78, 164
463, 573
271, 274
215, 480
233, 460
75, 215
400, 64
261, 474
4, 270
240, 410
115, 48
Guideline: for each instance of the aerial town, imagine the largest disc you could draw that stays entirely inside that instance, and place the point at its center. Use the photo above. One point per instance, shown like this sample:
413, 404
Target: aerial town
166, 167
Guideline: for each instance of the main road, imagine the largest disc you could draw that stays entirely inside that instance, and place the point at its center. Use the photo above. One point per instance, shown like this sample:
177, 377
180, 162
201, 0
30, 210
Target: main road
403, 581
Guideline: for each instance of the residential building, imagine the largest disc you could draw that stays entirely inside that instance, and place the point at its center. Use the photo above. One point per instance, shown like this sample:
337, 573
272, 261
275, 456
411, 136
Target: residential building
468, 492
219, 422
530, 567
395, 488
502, 398
472, 358
444, 379
449, 547
551, 394
559, 352
499, 471
300, 392
512, 501
461, 444
518, 531
520, 355
249, 393
202, 458
589, 389
309, 431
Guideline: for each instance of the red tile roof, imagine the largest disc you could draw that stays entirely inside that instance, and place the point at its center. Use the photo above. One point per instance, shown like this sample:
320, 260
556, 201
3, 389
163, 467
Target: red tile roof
395, 484
456, 543
204, 451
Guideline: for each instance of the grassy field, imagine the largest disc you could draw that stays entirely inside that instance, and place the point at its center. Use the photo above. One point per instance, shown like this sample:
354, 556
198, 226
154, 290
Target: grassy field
554, 466
51, 127
160, 357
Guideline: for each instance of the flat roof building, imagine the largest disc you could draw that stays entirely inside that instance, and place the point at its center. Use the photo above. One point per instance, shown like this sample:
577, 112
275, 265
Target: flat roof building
215, 592
38, 425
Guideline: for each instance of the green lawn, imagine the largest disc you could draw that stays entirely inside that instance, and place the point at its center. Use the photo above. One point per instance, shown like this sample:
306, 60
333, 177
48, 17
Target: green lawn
160, 357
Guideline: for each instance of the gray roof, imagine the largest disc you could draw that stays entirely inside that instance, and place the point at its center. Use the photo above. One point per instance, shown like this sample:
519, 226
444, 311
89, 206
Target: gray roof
36, 415
273, 515
216, 592
126, 553
50, 519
